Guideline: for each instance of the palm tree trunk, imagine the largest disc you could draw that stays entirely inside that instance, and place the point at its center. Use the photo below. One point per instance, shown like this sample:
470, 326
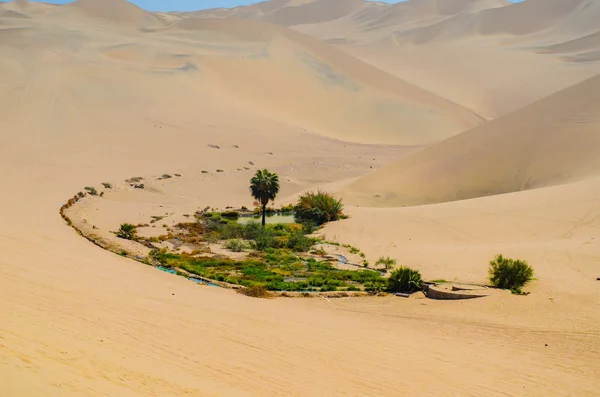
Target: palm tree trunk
264, 214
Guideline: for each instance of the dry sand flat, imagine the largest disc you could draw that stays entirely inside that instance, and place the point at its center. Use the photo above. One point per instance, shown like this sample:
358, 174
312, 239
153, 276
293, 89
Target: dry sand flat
103, 91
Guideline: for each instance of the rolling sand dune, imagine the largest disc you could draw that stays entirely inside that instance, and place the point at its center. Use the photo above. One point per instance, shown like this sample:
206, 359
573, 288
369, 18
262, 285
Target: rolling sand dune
101, 91
425, 42
551, 142
347, 95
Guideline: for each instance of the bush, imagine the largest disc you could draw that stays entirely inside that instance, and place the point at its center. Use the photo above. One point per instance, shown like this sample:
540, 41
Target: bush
232, 231
510, 274
308, 227
235, 245
92, 190
127, 231
233, 215
387, 262
405, 280
264, 240
257, 291
319, 207
287, 209
299, 242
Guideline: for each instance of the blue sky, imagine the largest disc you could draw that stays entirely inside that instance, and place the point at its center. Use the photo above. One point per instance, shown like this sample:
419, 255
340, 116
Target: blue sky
187, 5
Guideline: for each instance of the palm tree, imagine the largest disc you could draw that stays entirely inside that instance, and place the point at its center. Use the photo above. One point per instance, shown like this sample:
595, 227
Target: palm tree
264, 187
127, 231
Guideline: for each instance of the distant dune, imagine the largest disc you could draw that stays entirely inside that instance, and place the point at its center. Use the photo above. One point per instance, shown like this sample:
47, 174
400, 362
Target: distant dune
523, 46
551, 142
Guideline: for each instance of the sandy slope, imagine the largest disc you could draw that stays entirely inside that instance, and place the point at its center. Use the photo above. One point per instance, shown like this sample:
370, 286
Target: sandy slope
551, 142
89, 95
264, 67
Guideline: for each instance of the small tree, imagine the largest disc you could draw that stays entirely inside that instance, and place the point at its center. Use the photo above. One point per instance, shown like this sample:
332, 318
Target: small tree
405, 280
127, 231
387, 262
264, 187
510, 274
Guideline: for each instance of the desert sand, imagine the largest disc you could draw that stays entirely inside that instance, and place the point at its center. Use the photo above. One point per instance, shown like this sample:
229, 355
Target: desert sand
453, 130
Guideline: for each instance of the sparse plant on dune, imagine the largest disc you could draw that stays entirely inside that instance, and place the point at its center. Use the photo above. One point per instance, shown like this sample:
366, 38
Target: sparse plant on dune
510, 274
387, 262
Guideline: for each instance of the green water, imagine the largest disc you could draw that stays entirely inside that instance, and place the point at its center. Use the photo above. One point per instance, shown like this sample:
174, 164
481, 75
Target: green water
271, 219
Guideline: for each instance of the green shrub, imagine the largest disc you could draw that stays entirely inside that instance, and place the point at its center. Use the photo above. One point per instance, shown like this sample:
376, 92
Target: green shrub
299, 242
107, 185
220, 277
252, 230
405, 280
386, 261
319, 207
233, 215
127, 231
232, 230
264, 240
287, 209
510, 274
308, 226
235, 245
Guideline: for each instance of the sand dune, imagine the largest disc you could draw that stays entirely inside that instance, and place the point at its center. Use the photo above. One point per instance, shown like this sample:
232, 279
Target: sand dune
363, 97
120, 12
551, 142
425, 42
272, 70
100, 91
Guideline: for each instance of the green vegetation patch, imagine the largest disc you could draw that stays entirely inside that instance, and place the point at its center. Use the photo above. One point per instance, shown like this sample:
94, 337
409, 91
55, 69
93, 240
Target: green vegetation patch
275, 270
320, 207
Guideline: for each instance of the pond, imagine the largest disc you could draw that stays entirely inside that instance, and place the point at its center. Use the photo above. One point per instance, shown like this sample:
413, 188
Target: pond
198, 281
271, 219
